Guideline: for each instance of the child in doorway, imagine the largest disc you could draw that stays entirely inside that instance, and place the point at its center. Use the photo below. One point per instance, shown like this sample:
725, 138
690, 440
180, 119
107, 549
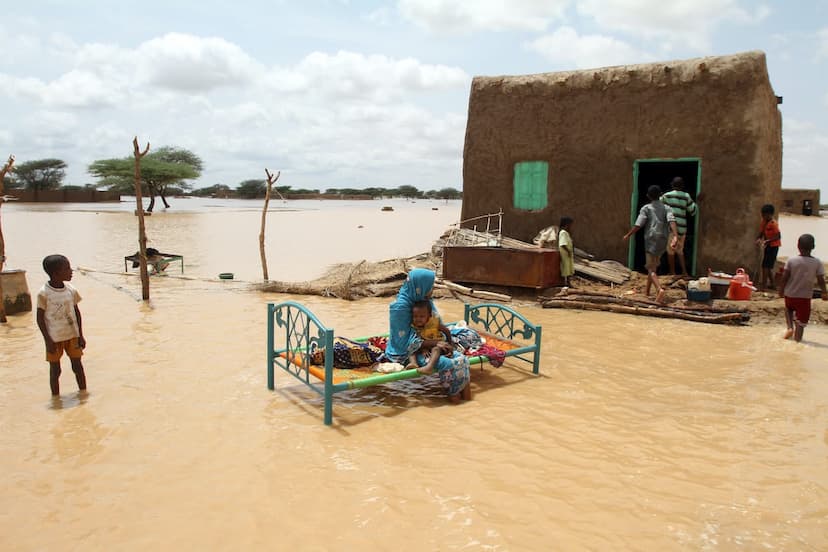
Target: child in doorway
769, 238
659, 225
797, 286
431, 330
566, 249
59, 320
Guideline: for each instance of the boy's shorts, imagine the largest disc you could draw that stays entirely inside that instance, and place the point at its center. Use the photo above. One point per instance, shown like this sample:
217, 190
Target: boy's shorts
652, 262
801, 307
769, 258
679, 248
71, 346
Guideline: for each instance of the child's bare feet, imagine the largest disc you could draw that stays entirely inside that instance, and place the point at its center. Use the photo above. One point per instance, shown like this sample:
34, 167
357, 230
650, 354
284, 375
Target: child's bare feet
660, 296
788, 333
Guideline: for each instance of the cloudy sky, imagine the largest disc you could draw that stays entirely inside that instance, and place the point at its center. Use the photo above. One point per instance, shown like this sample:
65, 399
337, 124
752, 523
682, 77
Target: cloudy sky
356, 93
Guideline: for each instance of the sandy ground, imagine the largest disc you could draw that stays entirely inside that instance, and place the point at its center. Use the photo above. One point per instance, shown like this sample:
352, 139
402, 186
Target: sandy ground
764, 307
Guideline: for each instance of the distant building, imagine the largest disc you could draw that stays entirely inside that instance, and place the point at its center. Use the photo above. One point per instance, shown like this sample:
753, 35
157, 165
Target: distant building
800, 202
587, 144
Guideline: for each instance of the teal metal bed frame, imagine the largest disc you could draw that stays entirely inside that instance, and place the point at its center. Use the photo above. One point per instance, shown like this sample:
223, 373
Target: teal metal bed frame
292, 328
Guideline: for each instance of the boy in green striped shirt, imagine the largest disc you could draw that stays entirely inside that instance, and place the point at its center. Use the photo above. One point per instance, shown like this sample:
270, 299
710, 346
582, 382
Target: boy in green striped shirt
682, 206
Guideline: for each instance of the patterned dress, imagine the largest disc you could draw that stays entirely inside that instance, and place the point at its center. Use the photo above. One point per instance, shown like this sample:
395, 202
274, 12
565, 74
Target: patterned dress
403, 340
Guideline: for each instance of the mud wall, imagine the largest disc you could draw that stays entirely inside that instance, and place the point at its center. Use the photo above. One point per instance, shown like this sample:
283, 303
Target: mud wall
792, 201
592, 125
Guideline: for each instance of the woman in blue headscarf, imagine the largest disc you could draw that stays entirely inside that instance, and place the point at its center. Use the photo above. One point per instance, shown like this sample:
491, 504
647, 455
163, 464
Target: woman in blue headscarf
403, 340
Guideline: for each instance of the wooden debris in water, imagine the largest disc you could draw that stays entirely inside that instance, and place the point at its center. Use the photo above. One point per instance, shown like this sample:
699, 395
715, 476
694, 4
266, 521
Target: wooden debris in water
625, 305
480, 294
354, 280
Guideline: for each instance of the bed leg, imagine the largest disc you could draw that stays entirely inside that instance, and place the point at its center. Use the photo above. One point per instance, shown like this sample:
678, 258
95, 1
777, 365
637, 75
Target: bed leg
271, 384
328, 408
536, 358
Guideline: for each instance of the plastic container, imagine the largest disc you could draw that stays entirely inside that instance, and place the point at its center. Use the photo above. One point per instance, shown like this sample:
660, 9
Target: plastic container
719, 291
698, 295
226, 276
741, 287
704, 284
720, 278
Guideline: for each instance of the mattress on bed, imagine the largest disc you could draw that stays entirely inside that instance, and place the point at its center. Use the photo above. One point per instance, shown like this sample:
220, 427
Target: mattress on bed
343, 375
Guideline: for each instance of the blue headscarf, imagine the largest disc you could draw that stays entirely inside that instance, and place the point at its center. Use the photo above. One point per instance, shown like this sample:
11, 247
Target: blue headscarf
402, 339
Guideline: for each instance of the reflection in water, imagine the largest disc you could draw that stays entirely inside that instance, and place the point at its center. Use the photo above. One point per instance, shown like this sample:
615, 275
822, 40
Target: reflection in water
78, 436
639, 433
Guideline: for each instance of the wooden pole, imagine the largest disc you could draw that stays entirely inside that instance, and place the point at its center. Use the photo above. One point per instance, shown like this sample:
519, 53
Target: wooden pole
6, 169
270, 180
142, 234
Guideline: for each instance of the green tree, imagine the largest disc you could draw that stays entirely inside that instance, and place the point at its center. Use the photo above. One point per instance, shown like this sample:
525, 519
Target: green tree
40, 174
216, 190
449, 193
160, 169
408, 191
252, 189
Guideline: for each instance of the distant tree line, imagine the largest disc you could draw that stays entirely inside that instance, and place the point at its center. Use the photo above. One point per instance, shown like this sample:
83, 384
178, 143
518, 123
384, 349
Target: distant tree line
168, 170
255, 189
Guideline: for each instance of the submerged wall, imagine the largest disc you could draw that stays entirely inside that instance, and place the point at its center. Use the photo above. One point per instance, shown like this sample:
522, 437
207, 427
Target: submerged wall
591, 126
65, 196
16, 297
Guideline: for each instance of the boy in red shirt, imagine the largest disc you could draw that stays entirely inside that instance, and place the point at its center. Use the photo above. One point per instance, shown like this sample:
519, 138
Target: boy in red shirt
770, 238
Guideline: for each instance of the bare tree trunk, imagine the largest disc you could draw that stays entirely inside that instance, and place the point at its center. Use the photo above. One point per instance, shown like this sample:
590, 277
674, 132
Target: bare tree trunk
142, 234
270, 180
6, 168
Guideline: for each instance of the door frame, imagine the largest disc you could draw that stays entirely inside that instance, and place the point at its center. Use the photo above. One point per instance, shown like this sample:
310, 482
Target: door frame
634, 205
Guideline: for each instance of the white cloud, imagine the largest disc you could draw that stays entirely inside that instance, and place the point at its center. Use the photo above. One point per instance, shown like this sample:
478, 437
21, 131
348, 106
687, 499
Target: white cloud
486, 15
350, 75
805, 149
676, 22
566, 47
822, 43
351, 116
194, 64
381, 17
72, 89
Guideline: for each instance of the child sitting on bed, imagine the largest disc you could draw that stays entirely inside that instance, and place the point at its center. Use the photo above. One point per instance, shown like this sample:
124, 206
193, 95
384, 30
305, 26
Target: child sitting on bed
429, 328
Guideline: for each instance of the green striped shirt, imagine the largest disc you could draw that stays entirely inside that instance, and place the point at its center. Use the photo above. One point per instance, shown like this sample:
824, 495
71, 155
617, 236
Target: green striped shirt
682, 205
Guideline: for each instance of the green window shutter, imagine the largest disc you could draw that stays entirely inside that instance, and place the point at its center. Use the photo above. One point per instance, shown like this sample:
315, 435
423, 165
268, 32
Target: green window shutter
530, 185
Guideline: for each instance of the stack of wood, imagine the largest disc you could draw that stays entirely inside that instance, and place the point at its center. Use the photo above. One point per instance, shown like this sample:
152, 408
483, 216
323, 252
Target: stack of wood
478, 293
594, 300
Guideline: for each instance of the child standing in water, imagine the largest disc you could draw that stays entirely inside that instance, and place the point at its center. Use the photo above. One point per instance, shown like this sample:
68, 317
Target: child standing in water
566, 249
59, 320
797, 286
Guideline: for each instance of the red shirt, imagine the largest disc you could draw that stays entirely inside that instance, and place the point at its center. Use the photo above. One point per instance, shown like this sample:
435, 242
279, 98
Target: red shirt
770, 229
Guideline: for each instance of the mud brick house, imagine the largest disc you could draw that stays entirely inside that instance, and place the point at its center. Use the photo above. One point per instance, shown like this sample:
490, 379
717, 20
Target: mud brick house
587, 144
800, 202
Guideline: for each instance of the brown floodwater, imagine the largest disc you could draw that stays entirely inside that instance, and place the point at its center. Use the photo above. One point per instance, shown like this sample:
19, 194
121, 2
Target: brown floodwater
639, 434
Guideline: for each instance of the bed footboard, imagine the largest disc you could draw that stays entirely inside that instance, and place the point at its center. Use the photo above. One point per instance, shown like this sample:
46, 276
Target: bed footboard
501, 321
301, 333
